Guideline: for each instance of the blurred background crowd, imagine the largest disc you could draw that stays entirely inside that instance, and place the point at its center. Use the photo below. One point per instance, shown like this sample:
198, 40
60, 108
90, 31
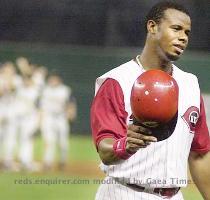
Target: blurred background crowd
33, 101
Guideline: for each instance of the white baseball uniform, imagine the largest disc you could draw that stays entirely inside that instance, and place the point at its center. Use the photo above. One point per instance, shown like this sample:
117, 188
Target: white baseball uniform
55, 126
27, 97
162, 164
4, 124
10, 126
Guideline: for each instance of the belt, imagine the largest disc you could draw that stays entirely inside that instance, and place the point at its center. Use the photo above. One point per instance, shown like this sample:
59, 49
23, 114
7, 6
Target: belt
163, 192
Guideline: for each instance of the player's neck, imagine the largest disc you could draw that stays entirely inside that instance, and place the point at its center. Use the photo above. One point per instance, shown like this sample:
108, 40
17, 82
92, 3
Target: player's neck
149, 59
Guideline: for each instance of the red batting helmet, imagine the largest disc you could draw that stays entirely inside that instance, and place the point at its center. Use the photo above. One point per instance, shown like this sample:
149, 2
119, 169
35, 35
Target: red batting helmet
154, 97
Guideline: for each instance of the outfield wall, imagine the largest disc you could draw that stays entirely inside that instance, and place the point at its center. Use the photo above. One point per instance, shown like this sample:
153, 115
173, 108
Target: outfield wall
79, 67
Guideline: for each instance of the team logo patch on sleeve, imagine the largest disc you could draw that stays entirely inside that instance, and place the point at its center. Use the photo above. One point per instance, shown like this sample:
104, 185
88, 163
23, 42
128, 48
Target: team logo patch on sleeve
191, 117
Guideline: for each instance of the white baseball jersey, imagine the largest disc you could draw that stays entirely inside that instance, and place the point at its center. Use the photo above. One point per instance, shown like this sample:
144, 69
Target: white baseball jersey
10, 96
164, 163
27, 99
54, 99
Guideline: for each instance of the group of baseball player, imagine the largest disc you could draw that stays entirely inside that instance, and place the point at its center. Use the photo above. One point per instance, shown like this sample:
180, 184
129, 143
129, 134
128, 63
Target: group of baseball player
33, 101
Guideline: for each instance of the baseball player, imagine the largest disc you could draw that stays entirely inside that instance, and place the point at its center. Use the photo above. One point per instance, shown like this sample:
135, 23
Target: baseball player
2, 112
57, 108
137, 166
27, 98
10, 83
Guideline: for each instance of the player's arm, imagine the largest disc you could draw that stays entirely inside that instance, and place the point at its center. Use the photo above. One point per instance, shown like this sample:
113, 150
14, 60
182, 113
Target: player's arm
199, 158
112, 150
199, 168
114, 140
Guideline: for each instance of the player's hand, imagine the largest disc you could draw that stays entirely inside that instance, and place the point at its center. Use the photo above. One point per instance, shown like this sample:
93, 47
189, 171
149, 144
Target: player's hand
138, 137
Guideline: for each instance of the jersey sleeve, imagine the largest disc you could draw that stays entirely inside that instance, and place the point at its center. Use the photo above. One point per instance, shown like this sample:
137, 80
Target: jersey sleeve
108, 115
201, 141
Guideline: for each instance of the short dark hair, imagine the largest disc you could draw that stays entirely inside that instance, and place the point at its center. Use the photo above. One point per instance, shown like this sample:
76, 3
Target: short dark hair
156, 13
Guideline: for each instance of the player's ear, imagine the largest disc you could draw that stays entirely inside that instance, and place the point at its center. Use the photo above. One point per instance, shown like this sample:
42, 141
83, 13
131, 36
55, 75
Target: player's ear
152, 26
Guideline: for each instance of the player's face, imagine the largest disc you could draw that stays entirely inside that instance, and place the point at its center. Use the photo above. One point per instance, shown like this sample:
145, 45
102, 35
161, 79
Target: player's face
173, 34
54, 81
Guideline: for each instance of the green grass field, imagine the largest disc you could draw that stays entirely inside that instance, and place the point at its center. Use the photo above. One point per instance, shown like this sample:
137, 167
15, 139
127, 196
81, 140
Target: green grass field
62, 185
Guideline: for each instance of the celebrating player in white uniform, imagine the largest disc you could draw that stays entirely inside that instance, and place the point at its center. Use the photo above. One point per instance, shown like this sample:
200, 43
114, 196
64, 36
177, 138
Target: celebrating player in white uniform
56, 109
138, 167
10, 82
27, 98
